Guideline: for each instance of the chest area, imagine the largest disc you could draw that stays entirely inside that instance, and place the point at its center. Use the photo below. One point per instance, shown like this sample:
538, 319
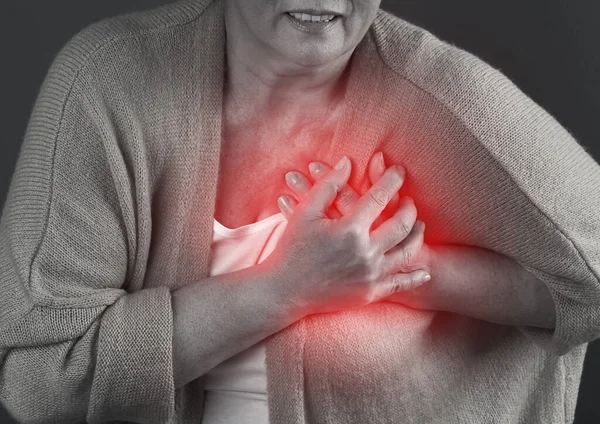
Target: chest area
252, 175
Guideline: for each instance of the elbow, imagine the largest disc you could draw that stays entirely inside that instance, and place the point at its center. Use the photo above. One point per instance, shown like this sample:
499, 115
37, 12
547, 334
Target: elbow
36, 388
119, 369
576, 324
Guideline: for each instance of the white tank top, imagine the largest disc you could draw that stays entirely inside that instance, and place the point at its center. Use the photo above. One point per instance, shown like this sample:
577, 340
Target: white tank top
236, 389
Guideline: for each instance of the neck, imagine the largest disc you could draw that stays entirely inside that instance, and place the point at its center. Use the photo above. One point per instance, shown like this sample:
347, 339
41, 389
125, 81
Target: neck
262, 83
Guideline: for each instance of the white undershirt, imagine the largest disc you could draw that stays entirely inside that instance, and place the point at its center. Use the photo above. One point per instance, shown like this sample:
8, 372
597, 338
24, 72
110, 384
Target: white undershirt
236, 389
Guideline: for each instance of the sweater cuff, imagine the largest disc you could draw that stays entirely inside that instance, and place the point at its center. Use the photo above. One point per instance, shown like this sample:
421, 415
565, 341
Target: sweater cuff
576, 323
133, 379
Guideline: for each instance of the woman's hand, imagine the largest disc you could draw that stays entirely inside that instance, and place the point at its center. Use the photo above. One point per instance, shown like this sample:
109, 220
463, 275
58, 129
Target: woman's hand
334, 264
347, 199
466, 280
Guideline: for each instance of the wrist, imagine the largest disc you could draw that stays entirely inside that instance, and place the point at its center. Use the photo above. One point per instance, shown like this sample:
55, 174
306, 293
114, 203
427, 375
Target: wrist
277, 288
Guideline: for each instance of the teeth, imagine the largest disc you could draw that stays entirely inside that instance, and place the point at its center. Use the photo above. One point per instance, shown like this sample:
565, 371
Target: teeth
310, 18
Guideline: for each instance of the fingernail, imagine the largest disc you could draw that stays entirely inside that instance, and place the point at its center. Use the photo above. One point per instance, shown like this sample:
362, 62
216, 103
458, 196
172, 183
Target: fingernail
426, 277
314, 167
291, 178
381, 160
400, 170
283, 202
342, 163
406, 200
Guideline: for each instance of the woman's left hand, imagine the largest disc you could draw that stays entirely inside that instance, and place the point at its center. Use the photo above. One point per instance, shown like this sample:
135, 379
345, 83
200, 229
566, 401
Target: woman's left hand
467, 280
348, 197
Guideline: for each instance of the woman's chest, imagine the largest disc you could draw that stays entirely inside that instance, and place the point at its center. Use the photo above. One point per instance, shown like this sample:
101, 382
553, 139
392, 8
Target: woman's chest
251, 178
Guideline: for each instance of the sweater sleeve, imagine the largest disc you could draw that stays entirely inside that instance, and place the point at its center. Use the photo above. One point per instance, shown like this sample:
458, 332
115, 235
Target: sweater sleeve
560, 181
545, 184
75, 345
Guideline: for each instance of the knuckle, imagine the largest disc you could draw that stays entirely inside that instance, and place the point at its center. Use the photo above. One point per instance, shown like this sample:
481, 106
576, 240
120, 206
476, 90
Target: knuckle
407, 256
370, 275
344, 197
368, 263
329, 185
367, 258
354, 230
380, 197
350, 239
403, 229
397, 282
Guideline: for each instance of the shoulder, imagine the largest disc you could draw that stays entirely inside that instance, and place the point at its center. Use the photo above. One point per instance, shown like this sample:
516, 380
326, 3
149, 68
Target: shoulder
453, 76
481, 98
115, 39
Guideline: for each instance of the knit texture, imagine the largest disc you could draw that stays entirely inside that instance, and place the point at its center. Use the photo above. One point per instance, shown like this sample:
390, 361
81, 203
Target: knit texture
111, 204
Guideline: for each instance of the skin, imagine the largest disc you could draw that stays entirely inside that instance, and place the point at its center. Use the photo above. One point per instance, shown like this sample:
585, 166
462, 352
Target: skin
467, 280
279, 77
279, 72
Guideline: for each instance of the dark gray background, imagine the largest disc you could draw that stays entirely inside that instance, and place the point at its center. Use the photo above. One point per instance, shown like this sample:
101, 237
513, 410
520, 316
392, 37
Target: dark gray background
549, 48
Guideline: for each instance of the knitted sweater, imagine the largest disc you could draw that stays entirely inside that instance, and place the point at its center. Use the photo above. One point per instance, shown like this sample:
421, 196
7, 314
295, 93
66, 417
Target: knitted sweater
111, 204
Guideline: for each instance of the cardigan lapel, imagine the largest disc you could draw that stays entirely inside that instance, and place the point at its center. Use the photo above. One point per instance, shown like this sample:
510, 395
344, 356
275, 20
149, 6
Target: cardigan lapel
205, 103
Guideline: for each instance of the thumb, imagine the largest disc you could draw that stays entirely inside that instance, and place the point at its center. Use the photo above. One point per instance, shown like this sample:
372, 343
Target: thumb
321, 196
402, 282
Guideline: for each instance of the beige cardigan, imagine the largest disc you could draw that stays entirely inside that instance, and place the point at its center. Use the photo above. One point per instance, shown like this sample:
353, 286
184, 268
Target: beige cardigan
110, 209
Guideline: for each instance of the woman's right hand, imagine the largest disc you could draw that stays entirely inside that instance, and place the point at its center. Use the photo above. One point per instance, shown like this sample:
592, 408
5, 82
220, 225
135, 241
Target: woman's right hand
326, 265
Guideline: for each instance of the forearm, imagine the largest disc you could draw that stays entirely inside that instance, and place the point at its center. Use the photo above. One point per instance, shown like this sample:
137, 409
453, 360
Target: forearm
221, 316
485, 285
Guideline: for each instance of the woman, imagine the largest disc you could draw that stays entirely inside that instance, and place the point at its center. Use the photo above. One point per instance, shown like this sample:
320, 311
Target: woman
147, 273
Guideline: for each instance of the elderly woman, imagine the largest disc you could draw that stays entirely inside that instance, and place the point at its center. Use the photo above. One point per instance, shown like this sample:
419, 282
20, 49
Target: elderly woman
149, 273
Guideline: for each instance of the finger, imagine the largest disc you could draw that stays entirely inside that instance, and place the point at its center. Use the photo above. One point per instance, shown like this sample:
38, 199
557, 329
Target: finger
376, 167
374, 201
286, 206
298, 183
378, 221
403, 256
396, 228
376, 170
288, 211
399, 282
323, 193
346, 198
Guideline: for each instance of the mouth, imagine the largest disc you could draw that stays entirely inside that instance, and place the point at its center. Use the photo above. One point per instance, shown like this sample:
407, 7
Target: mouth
310, 16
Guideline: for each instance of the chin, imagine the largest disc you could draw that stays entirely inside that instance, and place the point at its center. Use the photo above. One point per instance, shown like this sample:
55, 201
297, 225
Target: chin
313, 60
313, 55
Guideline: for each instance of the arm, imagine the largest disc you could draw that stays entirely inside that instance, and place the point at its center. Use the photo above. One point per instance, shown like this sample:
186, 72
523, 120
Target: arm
74, 344
481, 284
548, 221
472, 281
254, 312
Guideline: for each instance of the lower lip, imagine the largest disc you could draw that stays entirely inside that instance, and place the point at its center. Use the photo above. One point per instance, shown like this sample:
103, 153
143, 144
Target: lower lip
313, 27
